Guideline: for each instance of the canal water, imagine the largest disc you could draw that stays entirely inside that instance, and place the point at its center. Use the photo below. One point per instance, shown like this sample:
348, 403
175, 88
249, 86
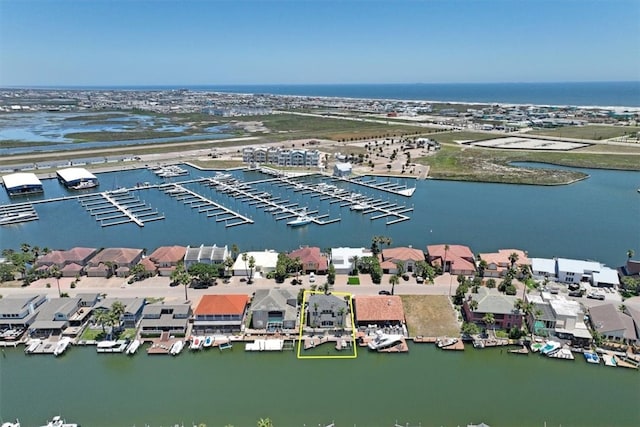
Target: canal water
597, 218
427, 387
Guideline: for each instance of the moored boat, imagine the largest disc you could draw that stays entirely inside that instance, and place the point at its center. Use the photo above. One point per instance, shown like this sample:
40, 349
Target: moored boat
446, 342
303, 219
84, 185
133, 347
550, 348
196, 343
176, 348
57, 421
208, 341
382, 340
592, 357
62, 346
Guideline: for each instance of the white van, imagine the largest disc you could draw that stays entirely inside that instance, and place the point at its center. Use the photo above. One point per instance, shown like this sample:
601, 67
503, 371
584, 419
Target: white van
312, 277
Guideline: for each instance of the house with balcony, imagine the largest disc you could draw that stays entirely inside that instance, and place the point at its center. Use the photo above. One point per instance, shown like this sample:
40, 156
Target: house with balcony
311, 259
265, 262
171, 318
326, 311
408, 256
220, 314
19, 312
205, 255
555, 315
490, 301
453, 259
54, 317
613, 324
274, 309
166, 258
343, 259
70, 262
498, 263
132, 309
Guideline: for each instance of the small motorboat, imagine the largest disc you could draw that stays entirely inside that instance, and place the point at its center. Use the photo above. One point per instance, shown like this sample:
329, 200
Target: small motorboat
176, 348
196, 343
57, 421
62, 345
208, 341
446, 342
133, 347
592, 357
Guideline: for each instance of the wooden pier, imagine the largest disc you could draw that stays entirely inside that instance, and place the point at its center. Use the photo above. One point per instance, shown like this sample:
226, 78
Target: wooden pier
118, 207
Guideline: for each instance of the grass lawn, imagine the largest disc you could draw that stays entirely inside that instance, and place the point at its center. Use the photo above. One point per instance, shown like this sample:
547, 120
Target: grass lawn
353, 280
593, 132
430, 315
128, 334
90, 334
218, 164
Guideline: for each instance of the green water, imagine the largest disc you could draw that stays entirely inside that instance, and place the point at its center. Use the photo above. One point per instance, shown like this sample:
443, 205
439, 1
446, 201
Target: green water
426, 386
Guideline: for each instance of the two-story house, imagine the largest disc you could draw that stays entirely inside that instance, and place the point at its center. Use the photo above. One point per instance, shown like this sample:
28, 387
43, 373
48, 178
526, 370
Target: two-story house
311, 259
220, 313
326, 311
274, 309
407, 256
158, 318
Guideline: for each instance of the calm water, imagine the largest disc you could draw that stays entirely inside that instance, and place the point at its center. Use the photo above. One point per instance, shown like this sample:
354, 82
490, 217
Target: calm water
597, 218
581, 93
426, 386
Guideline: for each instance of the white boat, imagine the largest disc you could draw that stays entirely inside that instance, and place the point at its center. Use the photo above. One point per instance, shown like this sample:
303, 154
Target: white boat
57, 421
83, 185
208, 341
10, 218
592, 357
383, 340
196, 343
133, 347
359, 207
303, 219
176, 348
8, 424
222, 175
62, 345
563, 353
446, 342
550, 347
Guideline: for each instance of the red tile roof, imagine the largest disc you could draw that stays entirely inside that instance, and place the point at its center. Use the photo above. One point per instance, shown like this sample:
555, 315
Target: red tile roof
222, 304
311, 255
116, 255
501, 257
378, 308
402, 254
168, 254
459, 256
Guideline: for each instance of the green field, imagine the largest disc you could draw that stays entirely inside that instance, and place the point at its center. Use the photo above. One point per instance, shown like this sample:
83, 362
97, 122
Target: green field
122, 136
593, 132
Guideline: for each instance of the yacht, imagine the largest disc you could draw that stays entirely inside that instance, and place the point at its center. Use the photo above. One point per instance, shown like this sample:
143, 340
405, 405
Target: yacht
383, 340
13, 217
62, 345
550, 347
84, 185
57, 421
303, 219
176, 348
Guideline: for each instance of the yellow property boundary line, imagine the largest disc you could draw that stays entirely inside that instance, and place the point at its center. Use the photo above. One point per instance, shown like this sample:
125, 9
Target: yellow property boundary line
303, 320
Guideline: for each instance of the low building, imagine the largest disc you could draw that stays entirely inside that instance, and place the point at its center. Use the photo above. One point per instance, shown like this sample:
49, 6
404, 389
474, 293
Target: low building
205, 255
274, 309
326, 311
265, 262
22, 183
18, 312
220, 314
490, 301
343, 258
159, 317
570, 271
498, 263
454, 259
408, 256
613, 324
379, 310
166, 258
605, 278
342, 169
311, 259
543, 268
113, 260
72, 177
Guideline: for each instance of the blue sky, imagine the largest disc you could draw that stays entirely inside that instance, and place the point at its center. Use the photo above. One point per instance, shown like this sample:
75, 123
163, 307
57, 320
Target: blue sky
137, 42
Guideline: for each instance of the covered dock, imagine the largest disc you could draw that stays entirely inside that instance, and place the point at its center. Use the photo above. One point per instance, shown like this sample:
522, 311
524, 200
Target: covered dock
73, 177
22, 183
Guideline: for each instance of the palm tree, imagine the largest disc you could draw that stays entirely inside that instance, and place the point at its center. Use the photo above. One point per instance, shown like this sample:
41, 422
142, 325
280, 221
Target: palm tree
116, 312
355, 260
513, 258
228, 263
444, 262
245, 258
473, 305
54, 271
399, 268
25, 247
252, 264
181, 277
101, 317
234, 250
488, 319
393, 281
265, 422
630, 253
482, 266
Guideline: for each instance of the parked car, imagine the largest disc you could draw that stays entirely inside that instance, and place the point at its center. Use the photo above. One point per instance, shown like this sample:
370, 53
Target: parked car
383, 292
595, 295
312, 277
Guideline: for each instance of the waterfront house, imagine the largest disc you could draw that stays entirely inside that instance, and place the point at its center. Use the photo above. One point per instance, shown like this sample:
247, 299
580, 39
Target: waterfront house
265, 262
69, 262
342, 169
491, 301
379, 310
630, 269
605, 278
111, 260
543, 268
159, 317
311, 259
88, 299
555, 315
408, 256
220, 313
498, 263
326, 311
454, 259
205, 255
18, 312
132, 309
274, 309
613, 324
343, 258
166, 258
54, 316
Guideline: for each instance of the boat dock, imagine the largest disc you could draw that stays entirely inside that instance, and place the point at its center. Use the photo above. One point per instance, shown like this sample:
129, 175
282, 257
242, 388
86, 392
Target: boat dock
119, 207
207, 206
387, 186
265, 345
111, 346
17, 213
